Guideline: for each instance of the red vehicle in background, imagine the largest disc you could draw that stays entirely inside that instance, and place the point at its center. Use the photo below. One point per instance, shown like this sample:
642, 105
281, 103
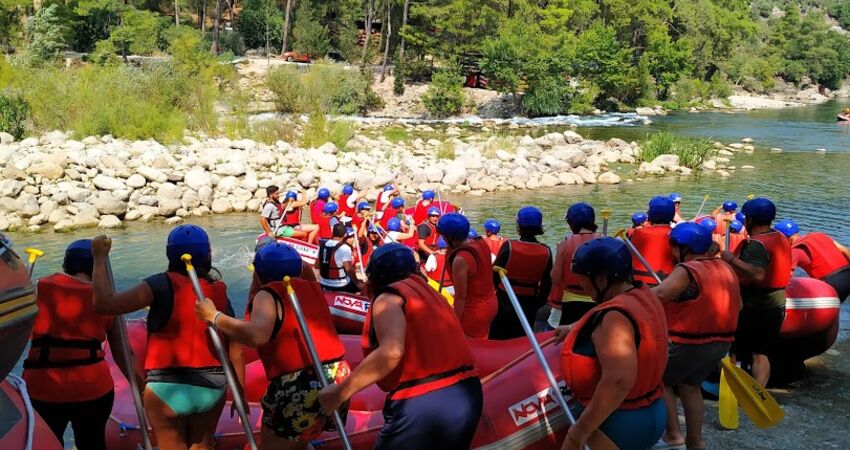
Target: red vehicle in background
293, 56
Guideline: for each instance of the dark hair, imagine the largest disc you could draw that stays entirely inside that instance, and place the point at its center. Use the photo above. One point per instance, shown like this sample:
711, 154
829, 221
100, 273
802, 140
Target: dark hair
530, 231
588, 226
204, 269
339, 229
271, 190
73, 266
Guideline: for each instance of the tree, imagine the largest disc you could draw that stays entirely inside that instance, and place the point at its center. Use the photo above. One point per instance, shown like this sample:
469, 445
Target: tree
138, 34
367, 24
389, 20
309, 35
260, 22
46, 32
216, 24
285, 44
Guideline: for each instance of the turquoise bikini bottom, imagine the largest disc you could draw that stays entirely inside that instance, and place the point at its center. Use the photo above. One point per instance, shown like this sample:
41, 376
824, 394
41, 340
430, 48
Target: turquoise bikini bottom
186, 399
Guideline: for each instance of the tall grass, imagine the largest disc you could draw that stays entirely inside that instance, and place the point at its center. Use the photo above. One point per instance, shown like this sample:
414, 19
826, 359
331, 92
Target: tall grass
692, 152
447, 150
328, 88
319, 130
395, 134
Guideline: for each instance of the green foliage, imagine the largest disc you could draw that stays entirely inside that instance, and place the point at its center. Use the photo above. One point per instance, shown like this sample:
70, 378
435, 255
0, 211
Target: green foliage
258, 17
309, 35
233, 42
328, 88
446, 150
320, 130
13, 115
547, 97
692, 152
47, 35
395, 134
444, 96
138, 34
288, 89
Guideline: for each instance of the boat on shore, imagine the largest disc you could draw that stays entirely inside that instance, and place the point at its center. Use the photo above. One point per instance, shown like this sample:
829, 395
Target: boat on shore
17, 306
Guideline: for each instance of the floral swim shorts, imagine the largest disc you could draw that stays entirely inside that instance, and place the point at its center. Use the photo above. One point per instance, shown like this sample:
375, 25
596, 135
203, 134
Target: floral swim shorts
291, 404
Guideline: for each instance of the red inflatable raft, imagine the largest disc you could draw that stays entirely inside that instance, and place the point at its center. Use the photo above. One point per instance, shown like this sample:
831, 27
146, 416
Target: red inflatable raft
348, 311
811, 320
20, 427
17, 307
518, 411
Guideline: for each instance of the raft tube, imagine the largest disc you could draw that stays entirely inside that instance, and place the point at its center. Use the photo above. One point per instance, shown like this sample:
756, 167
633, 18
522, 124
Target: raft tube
518, 412
811, 321
308, 252
20, 427
17, 307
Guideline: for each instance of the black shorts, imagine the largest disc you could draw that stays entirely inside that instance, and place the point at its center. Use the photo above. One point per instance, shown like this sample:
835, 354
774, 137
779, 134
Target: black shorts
840, 280
758, 330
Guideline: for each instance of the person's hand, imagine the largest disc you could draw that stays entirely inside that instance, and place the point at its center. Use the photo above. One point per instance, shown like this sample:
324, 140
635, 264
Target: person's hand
431, 263
100, 246
205, 310
727, 256
330, 399
576, 439
562, 332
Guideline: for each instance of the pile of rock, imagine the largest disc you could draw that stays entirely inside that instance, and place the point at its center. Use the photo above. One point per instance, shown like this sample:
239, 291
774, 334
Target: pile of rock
66, 184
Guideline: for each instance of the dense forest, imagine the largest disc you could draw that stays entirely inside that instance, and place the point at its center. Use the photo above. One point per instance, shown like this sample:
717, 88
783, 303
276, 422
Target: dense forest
560, 55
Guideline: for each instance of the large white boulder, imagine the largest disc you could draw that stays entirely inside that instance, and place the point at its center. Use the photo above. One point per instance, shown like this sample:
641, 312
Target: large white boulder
106, 183
106, 203
109, 221
608, 178
152, 174
197, 178
455, 174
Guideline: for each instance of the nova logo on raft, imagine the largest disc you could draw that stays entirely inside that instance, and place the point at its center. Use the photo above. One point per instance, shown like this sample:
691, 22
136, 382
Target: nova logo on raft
351, 303
532, 407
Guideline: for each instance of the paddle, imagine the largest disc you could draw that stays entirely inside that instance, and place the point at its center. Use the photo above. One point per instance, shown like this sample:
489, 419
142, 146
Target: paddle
727, 404
314, 356
621, 233
127, 361
606, 214
535, 346
232, 381
34, 254
704, 199
727, 238
754, 399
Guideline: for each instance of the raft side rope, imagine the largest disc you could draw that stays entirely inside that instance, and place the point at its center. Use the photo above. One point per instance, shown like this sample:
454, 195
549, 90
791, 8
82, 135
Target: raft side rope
127, 360
21, 385
314, 357
529, 333
229, 373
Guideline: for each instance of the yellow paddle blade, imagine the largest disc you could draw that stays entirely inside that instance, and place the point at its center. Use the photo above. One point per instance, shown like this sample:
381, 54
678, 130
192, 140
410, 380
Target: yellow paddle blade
727, 404
754, 399
436, 285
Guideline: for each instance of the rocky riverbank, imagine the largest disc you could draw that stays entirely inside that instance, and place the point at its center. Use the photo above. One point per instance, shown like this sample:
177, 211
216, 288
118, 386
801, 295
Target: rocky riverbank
56, 182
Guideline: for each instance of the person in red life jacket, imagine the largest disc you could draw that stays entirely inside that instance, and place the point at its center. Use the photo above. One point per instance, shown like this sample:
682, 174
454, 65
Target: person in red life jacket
317, 206
291, 411
529, 266
395, 233
652, 241
439, 269
638, 221
492, 227
416, 352
385, 197
702, 299
67, 378
717, 240
763, 264
420, 211
722, 214
736, 236
349, 199
370, 239
364, 211
471, 267
613, 358
820, 256
676, 198
185, 384
393, 211
283, 219
568, 299
327, 221
427, 236
335, 263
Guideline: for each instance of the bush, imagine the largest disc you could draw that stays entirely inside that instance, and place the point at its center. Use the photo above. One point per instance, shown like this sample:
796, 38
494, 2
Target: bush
396, 134
138, 34
309, 34
444, 96
46, 31
13, 115
692, 152
328, 88
319, 130
446, 150
233, 42
547, 97
287, 88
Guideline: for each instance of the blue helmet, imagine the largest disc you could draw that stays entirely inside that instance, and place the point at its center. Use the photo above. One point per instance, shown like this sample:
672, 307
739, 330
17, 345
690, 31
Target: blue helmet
675, 197
759, 210
739, 216
323, 193
291, 195
736, 226
394, 224
787, 227
603, 256
78, 257
529, 217
695, 237
428, 195
580, 214
708, 223
330, 208
390, 263
372, 229
388, 188
493, 226
638, 218
472, 234
729, 206
348, 189
397, 203
363, 205
190, 239
661, 210
275, 261
441, 243
433, 211
453, 226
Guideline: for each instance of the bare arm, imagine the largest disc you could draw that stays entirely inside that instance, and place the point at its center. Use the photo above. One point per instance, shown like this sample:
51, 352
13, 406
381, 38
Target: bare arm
460, 270
673, 286
844, 250
746, 272
265, 224
557, 292
254, 332
104, 299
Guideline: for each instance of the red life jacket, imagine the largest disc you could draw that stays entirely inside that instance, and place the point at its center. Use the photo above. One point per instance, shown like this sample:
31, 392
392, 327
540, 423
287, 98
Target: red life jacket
379, 204
713, 315
526, 265
328, 268
481, 305
721, 222
438, 271
370, 248
317, 207
825, 257
420, 212
292, 218
495, 244
779, 269
653, 242
183, 341
436, 354
65, 361
342, 201
569, 281
433, 236
325, 229
735, 241
582, 373
389, 213
286, 351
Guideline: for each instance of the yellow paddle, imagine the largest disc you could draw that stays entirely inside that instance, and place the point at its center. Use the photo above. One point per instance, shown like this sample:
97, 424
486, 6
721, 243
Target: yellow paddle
754, 399
34, 254
606, 214
727, 404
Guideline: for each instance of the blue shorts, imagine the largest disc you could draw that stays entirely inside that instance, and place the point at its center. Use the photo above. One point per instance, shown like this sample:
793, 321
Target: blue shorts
445, 419
633, 429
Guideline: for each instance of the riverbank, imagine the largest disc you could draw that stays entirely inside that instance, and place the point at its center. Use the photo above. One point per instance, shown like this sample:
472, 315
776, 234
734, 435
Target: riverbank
65, 184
